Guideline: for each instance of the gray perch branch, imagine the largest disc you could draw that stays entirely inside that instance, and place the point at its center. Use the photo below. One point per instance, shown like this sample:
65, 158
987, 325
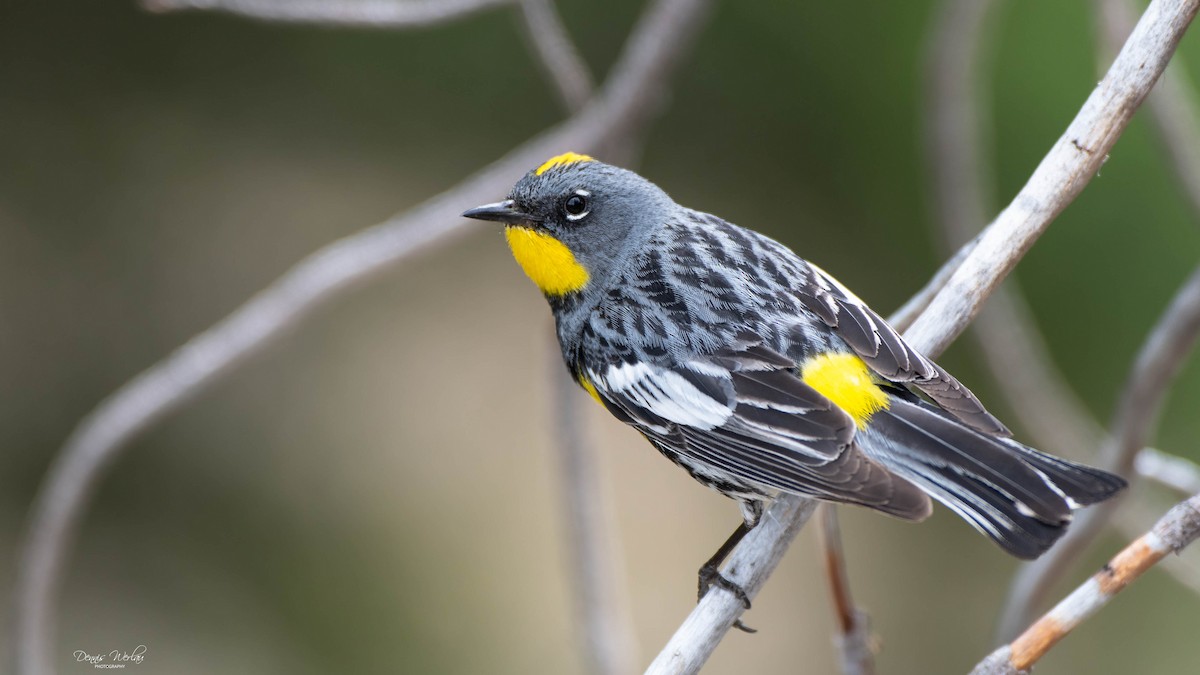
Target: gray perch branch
1062, 174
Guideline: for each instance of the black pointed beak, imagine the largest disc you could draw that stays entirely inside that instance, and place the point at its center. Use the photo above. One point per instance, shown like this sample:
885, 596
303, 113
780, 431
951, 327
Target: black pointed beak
501, 212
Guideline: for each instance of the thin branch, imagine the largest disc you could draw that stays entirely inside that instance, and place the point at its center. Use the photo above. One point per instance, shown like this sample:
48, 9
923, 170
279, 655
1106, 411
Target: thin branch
1063, 173
855, 642
655, 47
386, 14
1178, 528
1158, 362
1139, 515
557, 55
748, 566
1178, 473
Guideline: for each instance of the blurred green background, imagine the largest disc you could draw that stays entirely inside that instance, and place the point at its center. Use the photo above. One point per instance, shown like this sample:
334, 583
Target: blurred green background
378, 492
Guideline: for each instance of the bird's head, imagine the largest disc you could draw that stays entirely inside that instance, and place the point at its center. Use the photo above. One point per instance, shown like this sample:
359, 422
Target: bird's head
572, 221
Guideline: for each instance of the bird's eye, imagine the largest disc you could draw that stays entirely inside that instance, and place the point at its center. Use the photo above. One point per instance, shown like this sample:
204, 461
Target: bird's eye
576, 205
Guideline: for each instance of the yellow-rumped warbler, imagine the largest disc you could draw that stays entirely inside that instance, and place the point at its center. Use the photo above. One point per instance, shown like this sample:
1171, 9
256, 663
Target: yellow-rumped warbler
759, 373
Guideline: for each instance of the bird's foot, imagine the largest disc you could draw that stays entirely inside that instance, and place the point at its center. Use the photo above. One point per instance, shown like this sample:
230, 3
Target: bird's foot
710, 576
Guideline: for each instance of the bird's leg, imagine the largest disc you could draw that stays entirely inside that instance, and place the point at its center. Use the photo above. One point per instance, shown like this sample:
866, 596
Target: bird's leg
710, 573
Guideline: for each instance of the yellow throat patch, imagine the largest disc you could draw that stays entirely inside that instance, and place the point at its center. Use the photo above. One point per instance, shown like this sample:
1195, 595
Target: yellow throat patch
546, 260
564, 159
845, 380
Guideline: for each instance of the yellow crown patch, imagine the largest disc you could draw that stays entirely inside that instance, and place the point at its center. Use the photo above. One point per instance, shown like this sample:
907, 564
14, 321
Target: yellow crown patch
565, 159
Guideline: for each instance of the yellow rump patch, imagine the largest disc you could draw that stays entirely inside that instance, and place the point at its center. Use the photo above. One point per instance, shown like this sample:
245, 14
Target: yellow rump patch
564, 159
845, 380
546, 260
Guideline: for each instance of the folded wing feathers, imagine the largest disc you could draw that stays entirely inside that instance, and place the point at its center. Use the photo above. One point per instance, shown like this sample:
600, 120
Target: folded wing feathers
746, 412
886, 352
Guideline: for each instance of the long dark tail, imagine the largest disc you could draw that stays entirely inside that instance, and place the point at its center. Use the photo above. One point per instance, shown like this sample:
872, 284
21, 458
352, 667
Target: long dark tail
1019, 497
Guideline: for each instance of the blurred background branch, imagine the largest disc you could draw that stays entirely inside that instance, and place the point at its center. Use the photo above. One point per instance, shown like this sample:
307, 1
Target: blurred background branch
854, 640
1060, 177
1177, 473
637, 80
386, 14
557, 55
1172, 105
603, 623
1006, 333
1159, 361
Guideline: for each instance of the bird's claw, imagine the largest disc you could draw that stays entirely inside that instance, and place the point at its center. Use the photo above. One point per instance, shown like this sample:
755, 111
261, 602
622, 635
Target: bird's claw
710, 576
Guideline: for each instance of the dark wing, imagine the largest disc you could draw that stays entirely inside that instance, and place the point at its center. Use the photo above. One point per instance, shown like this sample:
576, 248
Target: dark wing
882, 348
744, 412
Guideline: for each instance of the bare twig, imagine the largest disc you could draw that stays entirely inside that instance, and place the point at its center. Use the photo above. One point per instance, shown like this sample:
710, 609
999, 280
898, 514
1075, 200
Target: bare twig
1158, 362
357, 13
654, 49
1138, 515
556, 53
856, 644
1177, 473
748, 566
1062, 174
1178, 528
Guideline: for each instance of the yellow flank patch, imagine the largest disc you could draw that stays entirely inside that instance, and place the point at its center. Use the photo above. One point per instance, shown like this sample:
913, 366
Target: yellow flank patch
590, 388
562, 160
546, 260
845, 380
